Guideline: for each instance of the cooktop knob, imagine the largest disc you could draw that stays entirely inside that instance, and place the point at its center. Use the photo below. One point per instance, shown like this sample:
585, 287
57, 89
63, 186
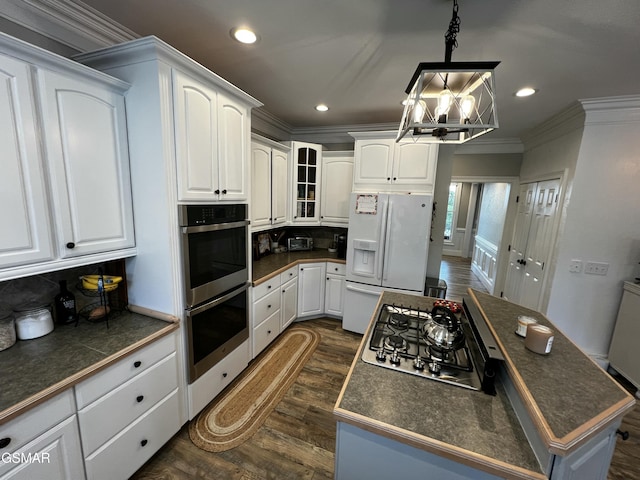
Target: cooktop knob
380, 355
435, 367
395, 357
418, 363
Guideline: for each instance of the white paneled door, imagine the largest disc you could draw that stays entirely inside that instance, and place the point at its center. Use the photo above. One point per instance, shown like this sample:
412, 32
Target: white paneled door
532, 242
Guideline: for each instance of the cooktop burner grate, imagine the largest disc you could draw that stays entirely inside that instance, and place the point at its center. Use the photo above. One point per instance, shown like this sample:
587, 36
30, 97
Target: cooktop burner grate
397, 342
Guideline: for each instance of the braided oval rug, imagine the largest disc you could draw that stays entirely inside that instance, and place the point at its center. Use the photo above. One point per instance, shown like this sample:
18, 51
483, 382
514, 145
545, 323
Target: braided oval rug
237, 413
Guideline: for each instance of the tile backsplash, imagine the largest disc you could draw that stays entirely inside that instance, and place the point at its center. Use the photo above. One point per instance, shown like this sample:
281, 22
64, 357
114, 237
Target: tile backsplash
41, 289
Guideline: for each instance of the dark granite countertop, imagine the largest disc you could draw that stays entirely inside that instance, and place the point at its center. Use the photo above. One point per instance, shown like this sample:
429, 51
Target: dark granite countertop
568, 396
32, 371
274, 264
476, 428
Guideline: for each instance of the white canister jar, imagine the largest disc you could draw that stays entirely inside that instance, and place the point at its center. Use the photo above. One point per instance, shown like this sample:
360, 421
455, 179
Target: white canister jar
7, 331
33, 321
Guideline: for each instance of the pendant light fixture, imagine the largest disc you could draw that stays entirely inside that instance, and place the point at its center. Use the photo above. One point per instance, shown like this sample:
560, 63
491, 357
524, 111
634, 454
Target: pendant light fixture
453, 102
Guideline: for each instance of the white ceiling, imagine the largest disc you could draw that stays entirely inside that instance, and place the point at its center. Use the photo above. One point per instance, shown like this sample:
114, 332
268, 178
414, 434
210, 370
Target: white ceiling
357, 56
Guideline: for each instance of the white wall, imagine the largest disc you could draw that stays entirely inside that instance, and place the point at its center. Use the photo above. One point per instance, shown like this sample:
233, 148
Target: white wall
602, 224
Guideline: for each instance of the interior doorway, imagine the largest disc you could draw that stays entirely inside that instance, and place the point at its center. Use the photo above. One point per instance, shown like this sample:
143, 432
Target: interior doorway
479, 224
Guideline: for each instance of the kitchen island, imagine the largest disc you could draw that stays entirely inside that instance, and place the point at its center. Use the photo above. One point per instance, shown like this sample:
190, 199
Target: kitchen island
552, 417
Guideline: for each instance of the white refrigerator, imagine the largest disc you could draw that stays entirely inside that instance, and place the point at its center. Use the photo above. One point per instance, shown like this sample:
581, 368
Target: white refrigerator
387, 247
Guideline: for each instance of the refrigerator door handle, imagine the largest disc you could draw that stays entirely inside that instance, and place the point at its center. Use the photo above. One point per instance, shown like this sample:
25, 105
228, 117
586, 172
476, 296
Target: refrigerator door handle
382, 247
387, 240
361, 290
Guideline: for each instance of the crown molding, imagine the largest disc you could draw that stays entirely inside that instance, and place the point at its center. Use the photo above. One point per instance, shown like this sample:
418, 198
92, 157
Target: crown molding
612, 110
69, 22
490, 146
562, 123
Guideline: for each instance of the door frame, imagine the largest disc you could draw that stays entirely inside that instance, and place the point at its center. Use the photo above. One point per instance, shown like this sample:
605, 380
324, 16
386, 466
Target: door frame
507, 230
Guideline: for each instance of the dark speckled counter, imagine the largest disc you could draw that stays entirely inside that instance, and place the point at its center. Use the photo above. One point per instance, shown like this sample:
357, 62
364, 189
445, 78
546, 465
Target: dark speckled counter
567, 395
442, 418
34, 370
273, 264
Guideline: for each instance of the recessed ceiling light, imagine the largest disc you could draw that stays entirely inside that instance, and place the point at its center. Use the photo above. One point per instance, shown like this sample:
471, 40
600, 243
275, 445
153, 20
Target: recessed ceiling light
244, 35
322, 107
525, 92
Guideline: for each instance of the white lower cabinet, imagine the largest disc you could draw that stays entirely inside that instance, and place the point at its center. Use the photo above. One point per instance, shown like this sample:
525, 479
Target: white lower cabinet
334, 289
288, 303
43, 443
129, 410
131, 448
311, 287
274, 308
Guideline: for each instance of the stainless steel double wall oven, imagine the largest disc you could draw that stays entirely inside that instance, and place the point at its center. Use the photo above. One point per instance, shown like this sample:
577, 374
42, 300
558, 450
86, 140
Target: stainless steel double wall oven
215, 257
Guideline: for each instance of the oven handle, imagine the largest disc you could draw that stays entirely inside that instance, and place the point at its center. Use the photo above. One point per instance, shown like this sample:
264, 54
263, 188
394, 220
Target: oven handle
214, 227
217, 301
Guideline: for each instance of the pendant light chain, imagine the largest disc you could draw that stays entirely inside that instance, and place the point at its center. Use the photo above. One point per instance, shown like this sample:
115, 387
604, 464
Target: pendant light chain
450, 37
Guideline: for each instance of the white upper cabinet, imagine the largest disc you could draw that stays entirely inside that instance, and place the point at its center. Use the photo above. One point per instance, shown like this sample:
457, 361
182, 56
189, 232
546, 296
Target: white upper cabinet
306, 176
24, 205
337, 181
260, 185
233, 133
383, 165
279, 184
211, 142
269, 173
65, 183
85, 137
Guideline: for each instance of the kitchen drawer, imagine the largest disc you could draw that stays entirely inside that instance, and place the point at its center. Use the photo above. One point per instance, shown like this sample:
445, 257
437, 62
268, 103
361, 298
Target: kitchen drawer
33, 423
217, 377
105, 417
266, 287
118, 373
336, 268
263, 308
288, 275
266, 333
131, 448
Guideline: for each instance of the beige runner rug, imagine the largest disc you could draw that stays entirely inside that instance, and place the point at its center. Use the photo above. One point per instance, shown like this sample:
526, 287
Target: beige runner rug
241, 409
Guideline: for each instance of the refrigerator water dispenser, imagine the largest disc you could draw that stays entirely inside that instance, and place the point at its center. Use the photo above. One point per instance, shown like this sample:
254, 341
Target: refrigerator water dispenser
364, 257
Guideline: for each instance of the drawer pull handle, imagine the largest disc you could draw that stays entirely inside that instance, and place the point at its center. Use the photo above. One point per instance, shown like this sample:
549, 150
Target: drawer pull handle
144, 442
137, 364
139, 398
224, 375
4, 442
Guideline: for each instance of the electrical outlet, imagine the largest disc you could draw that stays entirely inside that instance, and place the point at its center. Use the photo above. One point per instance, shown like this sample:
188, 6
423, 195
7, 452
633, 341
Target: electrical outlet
575, 266
596, 268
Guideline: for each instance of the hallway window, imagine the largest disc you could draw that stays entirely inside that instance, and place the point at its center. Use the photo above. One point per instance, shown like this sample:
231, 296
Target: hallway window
452, 210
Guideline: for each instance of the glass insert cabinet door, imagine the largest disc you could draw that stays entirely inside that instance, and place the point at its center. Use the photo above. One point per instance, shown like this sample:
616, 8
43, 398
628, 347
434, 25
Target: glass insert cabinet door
308, 161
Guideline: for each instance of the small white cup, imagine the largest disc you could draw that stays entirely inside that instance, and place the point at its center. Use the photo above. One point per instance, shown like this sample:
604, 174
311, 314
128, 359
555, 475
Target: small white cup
523, 323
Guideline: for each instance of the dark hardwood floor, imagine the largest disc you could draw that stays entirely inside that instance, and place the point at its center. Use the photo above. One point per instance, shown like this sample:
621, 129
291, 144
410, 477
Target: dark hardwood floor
297, 441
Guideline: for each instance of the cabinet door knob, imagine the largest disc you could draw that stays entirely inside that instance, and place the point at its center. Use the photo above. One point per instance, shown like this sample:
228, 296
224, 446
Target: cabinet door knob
224, 192
71, 245
394, 179
388, 178
283, 291
268, 332
268, 287
139, 398
224, 375
137, 364
4, 442
336, 269
217, 192
144, 442
268, 306
321, 216
327, 278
